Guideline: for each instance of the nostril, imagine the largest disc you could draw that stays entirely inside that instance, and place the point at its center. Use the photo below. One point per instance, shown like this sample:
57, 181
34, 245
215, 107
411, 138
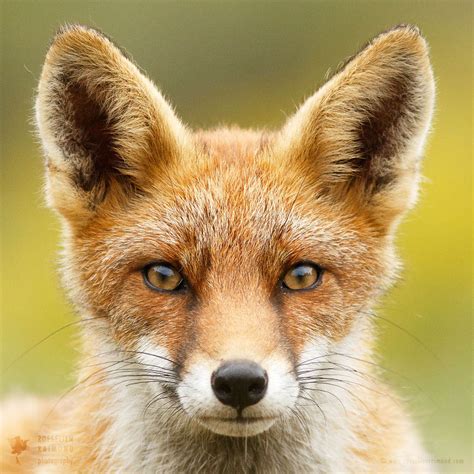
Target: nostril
257, 387
223, 387
239, 383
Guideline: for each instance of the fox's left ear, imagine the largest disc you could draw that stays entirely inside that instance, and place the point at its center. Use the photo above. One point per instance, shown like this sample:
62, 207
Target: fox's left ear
361, 135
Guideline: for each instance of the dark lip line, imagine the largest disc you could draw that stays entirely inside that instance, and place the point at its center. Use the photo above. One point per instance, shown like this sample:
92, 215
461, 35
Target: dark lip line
239, 419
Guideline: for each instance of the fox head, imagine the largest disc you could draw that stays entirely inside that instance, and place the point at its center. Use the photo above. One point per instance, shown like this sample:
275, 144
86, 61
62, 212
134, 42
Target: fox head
227, 266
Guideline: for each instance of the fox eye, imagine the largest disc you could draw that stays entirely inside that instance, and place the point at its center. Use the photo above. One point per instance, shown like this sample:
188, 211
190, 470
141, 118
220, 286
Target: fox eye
162, 277
302, 276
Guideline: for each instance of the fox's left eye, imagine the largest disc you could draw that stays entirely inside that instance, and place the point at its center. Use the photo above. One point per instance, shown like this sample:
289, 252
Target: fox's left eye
162, 277
302, 276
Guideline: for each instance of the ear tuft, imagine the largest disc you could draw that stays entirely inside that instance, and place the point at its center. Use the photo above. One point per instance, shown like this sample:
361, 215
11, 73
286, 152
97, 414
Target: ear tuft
361, 135
104, 126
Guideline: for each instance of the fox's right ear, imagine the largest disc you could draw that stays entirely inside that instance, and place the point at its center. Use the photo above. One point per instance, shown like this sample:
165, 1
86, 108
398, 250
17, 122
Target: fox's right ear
105, 128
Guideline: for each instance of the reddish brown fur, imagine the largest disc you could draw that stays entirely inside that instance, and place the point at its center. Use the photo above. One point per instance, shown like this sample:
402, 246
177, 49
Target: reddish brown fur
232, 210
212, 262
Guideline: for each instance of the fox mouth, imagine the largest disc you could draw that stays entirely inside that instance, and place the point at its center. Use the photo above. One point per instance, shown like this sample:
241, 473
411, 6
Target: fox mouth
241, 426
242, 420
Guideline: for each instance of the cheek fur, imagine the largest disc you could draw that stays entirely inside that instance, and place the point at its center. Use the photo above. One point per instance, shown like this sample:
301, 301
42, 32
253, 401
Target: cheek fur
329, 310
136, 311
313, 313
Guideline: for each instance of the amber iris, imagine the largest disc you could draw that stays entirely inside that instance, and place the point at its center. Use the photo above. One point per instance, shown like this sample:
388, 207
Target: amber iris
302, 276
161, 276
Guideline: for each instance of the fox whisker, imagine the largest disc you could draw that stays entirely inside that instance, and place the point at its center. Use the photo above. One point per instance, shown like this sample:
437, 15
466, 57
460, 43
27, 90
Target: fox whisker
334, 384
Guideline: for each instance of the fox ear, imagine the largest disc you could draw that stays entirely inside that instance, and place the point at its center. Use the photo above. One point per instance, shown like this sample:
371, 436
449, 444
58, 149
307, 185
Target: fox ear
362, 134
104, 126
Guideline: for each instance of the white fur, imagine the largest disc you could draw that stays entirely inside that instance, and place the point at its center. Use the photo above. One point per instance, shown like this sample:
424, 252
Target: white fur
199, 401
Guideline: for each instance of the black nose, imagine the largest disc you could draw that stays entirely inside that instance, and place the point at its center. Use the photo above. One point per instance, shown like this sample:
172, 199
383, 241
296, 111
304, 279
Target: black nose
239, 383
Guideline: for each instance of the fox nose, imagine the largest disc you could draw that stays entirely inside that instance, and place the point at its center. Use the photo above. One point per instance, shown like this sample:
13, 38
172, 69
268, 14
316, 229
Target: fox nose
239, 383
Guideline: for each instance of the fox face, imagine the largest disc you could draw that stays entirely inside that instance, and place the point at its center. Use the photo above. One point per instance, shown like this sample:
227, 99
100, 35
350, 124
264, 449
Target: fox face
229, 268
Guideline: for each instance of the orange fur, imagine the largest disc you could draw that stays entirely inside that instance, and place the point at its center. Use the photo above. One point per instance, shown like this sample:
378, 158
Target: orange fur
232, 210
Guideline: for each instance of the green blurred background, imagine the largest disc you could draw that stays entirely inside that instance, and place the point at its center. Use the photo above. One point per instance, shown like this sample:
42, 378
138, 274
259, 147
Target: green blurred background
250, 64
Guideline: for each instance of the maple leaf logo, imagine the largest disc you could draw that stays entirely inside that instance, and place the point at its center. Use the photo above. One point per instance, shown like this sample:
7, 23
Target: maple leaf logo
18, 445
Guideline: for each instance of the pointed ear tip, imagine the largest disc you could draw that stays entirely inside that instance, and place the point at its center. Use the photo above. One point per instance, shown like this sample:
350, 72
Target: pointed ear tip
79, 43
404, 37
407, 28
76, 35
73, 29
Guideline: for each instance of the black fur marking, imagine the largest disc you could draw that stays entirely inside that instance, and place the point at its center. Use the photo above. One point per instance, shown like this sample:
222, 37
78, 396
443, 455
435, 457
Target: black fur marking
87, 140
385, 133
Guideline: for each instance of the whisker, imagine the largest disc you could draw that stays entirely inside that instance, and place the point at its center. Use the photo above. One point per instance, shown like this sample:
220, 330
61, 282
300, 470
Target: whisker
317, 405
338, 367
378, 366
130, 351
407, 332
351, 393
160, 396
70, 390
328, 393
143, 371
147, 381
44, 339
352, 382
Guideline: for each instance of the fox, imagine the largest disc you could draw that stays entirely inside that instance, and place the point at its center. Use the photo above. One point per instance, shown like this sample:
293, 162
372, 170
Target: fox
225, 279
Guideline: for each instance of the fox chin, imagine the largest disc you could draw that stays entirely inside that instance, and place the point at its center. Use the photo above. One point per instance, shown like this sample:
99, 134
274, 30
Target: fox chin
225, 278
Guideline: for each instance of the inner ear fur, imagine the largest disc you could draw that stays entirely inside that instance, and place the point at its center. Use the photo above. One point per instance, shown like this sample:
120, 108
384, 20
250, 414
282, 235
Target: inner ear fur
104, 126
360, 137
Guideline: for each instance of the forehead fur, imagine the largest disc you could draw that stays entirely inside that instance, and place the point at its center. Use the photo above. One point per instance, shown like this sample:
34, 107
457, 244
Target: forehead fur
233, 143
232, 205
232, 222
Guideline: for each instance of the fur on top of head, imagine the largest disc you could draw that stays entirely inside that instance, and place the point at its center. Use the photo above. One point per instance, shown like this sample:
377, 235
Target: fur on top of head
108, 133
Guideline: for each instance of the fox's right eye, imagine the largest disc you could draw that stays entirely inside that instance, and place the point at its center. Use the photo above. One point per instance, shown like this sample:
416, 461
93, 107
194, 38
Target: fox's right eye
162, 277
302, 276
